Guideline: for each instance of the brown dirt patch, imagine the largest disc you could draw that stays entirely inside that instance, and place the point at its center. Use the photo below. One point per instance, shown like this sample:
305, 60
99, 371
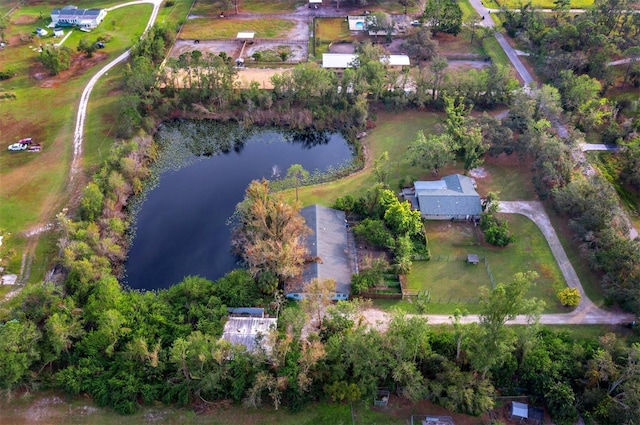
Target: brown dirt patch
403, 410
24, 20
79, 65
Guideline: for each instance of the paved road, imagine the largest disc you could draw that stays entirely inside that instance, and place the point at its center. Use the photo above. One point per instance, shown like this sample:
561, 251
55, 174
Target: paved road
586, 313
84, 99
511, 53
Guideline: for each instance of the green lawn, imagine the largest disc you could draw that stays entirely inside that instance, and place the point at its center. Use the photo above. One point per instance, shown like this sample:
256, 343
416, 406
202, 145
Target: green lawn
206, 29
450, 280
394, 133
508, 178
494, 50
544, 4
467, 10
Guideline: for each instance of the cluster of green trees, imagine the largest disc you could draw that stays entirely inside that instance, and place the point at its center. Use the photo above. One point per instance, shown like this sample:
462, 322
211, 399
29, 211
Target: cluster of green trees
573, 52
463, 137
270, 236
55, 59
389, 223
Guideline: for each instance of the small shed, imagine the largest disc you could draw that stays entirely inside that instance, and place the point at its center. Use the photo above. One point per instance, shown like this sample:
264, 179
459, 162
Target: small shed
58, 32
519, 411
473, 259
249, 331
246, 35
382, 398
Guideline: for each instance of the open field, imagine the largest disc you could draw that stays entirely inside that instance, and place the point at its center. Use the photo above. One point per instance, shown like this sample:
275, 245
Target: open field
448, 277
207, 29
203, 8
393, 134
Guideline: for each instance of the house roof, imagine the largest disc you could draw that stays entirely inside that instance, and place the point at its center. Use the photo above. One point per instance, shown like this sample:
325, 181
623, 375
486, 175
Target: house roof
328, 242
453, 195
346, 60
338, 60
396, 60
246, 35
245, 330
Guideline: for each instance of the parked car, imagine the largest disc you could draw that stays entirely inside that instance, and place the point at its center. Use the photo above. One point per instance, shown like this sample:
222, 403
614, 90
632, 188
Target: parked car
21, 145
100, 45
415, 23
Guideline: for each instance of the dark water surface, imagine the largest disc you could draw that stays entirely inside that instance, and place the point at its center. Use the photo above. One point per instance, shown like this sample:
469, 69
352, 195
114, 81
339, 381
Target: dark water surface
182, 223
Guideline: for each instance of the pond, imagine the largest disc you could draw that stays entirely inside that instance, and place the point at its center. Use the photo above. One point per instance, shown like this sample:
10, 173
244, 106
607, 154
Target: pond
181, 220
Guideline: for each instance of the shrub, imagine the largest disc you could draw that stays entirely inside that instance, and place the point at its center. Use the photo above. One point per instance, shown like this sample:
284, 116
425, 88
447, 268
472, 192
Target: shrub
569, 297
5, 75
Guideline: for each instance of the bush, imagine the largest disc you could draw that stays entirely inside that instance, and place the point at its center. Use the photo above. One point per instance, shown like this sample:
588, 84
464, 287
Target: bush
496, 230
569, 297
5, 75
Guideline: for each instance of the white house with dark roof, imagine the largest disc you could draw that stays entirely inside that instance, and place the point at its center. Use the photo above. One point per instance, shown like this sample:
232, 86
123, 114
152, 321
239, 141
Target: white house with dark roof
72, 16
329, 243
453, 197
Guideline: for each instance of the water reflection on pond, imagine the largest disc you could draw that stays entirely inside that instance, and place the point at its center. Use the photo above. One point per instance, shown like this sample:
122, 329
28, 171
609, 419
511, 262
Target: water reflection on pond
204, 170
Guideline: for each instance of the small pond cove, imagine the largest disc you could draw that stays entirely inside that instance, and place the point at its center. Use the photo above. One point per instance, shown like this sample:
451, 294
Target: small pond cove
181, 218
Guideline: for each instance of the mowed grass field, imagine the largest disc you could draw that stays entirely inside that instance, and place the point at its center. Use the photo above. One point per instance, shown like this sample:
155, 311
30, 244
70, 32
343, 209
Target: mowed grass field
453, 282
207, 29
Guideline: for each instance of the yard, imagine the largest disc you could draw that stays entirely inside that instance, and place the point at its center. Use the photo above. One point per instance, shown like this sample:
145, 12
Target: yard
207, 29
453, 283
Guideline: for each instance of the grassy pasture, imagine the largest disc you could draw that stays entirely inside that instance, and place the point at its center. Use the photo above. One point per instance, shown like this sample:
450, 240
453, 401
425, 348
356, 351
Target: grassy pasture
206, 29
34, 184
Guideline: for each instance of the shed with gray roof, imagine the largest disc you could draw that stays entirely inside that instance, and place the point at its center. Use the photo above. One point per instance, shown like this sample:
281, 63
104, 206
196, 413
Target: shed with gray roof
453, 197
329, 244
251, 332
